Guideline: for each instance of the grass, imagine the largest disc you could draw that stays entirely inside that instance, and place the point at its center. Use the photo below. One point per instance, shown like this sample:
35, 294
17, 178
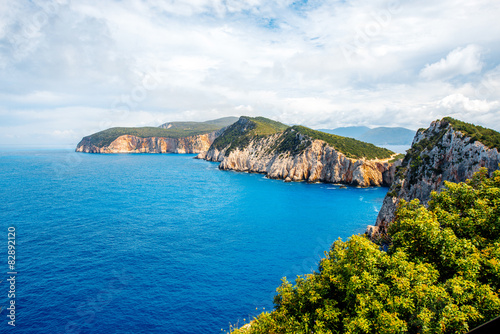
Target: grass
417, 158
241, 133
400, 156
350, 147
294, 139
106, 137
488, 137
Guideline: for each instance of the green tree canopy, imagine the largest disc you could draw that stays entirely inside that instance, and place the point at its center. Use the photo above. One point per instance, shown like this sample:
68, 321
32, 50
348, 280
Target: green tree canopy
441, 274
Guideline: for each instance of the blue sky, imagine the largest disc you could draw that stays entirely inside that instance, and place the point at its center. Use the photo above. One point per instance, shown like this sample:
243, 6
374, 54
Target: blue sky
71, 68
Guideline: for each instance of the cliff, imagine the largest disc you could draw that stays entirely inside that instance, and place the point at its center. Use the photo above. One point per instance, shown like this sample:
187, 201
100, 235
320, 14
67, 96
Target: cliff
134, 144
175, 137
300, 154
449, 150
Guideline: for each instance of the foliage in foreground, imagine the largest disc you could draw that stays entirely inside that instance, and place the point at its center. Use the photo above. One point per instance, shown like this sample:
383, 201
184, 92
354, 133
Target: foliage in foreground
440, 275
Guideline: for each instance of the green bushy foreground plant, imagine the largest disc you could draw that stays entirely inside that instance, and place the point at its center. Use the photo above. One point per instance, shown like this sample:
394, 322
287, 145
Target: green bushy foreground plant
441, 274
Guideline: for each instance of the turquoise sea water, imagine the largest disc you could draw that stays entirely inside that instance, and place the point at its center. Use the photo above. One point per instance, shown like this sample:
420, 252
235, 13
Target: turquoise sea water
159, 243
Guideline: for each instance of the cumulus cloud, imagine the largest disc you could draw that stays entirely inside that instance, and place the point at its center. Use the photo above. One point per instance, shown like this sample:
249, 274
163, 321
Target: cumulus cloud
70, 68
461, 61
459, 102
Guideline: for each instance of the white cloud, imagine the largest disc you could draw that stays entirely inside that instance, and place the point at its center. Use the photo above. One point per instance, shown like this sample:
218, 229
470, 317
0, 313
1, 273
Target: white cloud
461, 61
459, 102
66, 64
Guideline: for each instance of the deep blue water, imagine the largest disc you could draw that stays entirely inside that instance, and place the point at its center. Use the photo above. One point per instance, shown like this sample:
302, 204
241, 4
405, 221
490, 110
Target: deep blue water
159, 243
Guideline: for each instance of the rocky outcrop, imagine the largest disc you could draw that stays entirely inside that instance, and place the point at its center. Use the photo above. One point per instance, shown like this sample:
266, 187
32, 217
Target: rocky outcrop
134, 144
438, 154
315, 162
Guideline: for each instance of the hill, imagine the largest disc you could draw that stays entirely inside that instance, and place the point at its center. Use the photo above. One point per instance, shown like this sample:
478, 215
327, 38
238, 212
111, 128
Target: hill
348, 131
247, 129
388, 136
217, 123
449, 150
440, 271
174, 130
376, 136
298, 153
241, 133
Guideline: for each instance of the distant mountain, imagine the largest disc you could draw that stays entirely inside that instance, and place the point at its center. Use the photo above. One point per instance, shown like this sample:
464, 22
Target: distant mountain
216, 123
377, 136
349, 131
388, 136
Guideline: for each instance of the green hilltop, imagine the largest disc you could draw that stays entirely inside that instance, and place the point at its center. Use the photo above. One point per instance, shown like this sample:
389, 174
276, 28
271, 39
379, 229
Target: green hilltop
176, 130
241, 133
294, 139
488, 137
352, 148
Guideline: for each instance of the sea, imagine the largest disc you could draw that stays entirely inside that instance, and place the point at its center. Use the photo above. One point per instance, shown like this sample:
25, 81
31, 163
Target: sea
148, 243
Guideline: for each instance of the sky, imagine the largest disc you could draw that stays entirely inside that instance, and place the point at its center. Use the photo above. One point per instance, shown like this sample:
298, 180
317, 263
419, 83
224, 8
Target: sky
72, 68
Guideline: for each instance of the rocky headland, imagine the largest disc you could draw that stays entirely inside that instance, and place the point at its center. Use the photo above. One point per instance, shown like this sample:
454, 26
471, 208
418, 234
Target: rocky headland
134, 144
300, 154
449, 150
174, 137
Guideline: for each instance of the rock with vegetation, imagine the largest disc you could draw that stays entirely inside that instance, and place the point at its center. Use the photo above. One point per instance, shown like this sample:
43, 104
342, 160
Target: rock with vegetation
175, 137
440, 274
298, 153
449, 150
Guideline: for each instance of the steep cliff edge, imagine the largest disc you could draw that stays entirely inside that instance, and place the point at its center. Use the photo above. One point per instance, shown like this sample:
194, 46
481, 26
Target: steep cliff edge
300, 154
449, 150
175, 137
134, 144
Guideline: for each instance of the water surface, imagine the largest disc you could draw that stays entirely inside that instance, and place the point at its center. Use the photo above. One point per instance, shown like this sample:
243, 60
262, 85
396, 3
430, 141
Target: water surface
160, 243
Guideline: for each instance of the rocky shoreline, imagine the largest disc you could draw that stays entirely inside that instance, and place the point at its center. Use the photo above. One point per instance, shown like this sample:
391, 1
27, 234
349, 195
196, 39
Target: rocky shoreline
317, 163
134, 144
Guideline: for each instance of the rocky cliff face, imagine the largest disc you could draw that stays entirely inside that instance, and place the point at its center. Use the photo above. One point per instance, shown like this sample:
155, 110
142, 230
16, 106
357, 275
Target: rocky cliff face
133, 144
316, 162
439, 153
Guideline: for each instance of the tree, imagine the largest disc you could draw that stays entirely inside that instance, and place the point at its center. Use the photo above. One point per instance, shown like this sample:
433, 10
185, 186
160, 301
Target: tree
441, 274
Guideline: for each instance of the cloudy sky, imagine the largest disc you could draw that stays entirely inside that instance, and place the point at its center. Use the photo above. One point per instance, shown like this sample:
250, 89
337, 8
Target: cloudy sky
70, 68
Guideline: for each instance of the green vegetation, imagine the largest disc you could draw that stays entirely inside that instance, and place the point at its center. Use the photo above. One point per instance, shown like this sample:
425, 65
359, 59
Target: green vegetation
441, 273
241, 133
106, 137
217, 123
413, 158
294, 139
398, 157
417, 156
488, 137
291, 141
167, 130
352, 148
